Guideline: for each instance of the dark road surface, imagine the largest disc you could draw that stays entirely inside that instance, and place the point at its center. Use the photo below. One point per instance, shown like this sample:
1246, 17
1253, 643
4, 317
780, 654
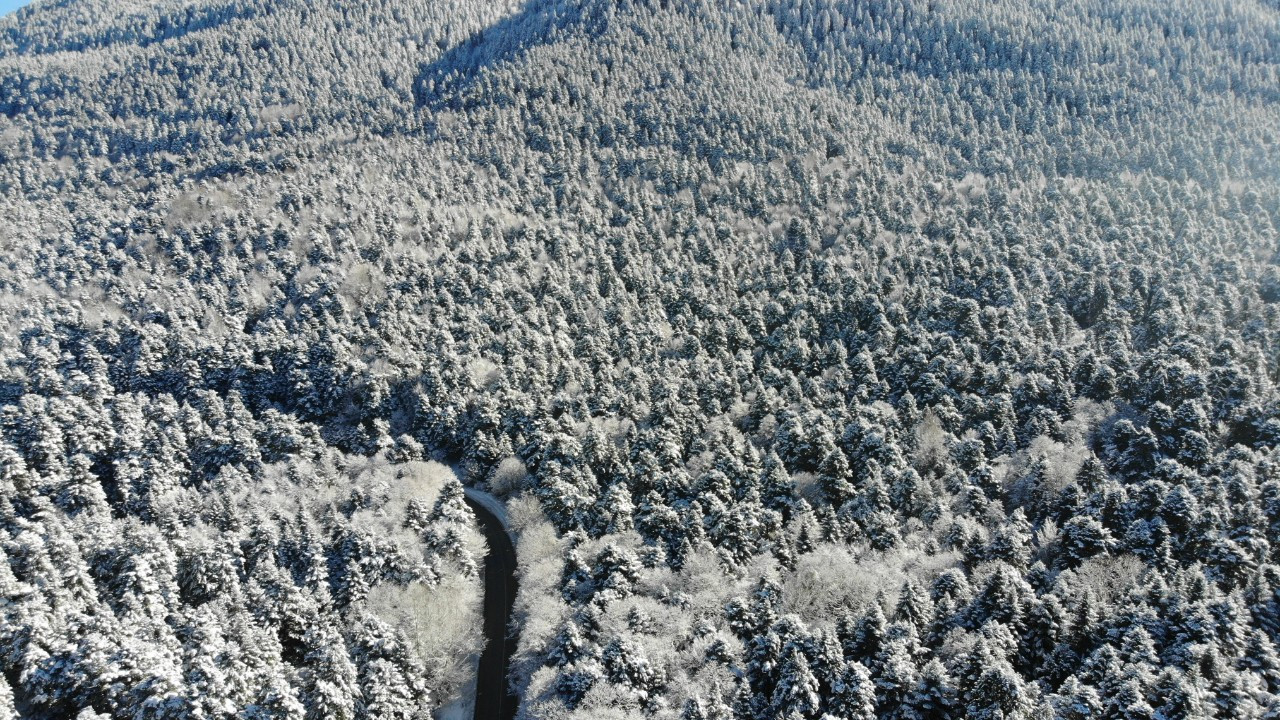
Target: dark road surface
494, 700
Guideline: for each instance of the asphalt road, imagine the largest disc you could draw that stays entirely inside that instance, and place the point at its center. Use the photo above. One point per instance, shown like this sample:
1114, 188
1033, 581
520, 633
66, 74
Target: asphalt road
494, 699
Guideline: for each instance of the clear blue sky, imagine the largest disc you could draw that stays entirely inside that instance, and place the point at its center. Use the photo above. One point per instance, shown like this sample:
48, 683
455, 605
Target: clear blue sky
8, 6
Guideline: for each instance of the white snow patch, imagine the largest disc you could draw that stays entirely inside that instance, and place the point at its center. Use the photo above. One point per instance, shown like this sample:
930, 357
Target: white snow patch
492, 504
463, 708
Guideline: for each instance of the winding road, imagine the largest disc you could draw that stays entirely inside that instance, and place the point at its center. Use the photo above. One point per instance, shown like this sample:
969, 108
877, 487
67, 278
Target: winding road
494, 699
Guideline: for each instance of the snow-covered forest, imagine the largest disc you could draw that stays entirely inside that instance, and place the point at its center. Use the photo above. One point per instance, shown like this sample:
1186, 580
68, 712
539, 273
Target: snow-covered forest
905, 359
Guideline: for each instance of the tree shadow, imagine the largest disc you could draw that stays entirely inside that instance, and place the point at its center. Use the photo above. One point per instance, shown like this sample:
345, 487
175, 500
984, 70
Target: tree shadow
442, 83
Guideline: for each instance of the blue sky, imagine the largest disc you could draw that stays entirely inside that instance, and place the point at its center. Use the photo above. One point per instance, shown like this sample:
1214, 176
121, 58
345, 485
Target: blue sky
8, 6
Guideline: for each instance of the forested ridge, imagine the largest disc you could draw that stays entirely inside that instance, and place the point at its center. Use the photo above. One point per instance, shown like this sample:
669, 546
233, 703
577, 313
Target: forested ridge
844, 360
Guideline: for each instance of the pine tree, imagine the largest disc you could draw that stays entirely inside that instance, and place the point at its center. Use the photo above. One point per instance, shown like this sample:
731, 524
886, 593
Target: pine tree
1129, 703
1082, 538
7, 709
796, 693
863, 641
807, 537
450, 505
764, 658
1044, 630
777, 491
387, 692
1076, 701
625, 664
1012, 542
914, 606
694, 710
277, 699
1260, 656
569, 645
615, 574
330, 688
999, 694
390, 677
834, 478
574, 683
933, 697
896, 674
615, 510
853, 695
82, 491
1179, 695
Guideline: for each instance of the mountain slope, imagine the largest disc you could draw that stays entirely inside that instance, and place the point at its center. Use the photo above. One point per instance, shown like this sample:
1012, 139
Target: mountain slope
897, 359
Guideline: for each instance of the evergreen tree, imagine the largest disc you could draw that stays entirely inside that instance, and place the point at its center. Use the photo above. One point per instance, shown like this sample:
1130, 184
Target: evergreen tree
933, 697
1076, 701
1129, 703
386, 691
573, 684
1082, 538
998, 694
896, 676
279, 700
796, 694
330, 689
1179, 697
853, 694
914, 607
7, 710
661, 298
625, 664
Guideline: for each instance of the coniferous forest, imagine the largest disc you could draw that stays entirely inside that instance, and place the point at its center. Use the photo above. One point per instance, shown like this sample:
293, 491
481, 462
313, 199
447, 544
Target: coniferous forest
831, 359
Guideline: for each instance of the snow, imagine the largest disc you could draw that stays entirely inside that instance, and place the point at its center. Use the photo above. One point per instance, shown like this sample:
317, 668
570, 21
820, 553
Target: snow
464, 707
492, 504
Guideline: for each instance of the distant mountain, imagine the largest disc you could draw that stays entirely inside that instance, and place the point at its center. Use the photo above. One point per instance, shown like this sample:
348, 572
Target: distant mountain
901, 359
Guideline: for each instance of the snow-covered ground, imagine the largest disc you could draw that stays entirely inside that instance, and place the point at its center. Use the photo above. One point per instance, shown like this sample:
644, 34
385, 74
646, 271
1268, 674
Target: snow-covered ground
464, 708
492, 504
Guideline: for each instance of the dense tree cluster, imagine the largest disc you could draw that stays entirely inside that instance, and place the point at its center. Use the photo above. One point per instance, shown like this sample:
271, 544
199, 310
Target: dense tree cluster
899, 359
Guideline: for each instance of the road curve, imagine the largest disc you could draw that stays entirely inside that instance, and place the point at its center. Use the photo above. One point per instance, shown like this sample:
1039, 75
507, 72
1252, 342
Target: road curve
494, 699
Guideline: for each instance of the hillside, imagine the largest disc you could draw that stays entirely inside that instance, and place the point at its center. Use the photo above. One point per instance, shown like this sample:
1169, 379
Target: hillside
901, 359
